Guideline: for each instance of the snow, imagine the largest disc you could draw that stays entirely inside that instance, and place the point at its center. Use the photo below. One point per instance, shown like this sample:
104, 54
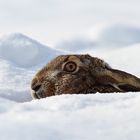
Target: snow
109, 35
116, 35
73, 117
67, 117
14, 82
24, 51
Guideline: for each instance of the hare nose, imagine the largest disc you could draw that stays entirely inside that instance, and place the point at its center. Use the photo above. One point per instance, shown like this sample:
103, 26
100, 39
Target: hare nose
35, 85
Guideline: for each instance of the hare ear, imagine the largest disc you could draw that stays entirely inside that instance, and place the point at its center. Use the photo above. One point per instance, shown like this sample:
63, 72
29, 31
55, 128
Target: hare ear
120, 80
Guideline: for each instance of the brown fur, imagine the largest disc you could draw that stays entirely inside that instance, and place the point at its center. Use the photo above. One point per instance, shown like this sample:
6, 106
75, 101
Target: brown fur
91, 75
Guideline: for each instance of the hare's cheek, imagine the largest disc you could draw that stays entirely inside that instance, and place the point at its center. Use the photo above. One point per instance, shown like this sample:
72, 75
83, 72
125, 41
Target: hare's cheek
67, 86
63, 85
48, 88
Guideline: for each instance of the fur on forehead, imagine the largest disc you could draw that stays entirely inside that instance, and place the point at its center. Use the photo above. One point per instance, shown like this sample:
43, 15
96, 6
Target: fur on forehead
79, 58
65, 58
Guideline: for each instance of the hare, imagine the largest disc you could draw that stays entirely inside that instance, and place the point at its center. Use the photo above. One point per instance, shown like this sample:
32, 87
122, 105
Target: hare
75, 74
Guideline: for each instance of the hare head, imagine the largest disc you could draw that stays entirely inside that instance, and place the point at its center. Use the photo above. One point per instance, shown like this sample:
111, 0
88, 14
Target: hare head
74, 74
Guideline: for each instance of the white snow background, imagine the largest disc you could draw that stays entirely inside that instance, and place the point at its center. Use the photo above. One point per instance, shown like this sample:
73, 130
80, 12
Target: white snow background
68, 117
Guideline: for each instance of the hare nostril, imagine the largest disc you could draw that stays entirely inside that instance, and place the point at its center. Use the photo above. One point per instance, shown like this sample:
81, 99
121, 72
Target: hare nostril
36, 88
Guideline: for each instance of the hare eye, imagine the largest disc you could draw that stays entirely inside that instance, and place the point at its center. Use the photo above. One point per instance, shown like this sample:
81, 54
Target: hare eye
70, 67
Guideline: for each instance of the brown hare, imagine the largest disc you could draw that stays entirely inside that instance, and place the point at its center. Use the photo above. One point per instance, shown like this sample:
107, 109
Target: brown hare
75, 74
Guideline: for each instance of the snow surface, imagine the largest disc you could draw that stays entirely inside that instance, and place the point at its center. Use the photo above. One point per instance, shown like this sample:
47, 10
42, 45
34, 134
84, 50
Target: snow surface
65, 117
24, 51
73, 117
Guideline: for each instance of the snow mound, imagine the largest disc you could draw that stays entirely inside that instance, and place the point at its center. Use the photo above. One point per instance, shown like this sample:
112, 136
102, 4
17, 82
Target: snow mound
73, 117
20, 57
116, 35
23, 51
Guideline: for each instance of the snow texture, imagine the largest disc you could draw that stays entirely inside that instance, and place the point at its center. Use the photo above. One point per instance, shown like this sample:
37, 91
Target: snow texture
25, 52
67, 117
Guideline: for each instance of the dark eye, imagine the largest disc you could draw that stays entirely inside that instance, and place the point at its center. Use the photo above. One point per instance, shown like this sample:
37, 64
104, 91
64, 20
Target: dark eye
70, 67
